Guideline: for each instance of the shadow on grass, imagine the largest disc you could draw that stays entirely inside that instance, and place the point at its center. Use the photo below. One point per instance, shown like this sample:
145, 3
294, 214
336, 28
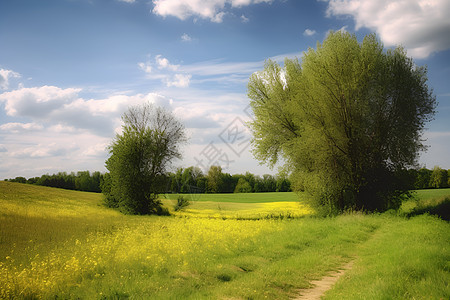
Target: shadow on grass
441, 209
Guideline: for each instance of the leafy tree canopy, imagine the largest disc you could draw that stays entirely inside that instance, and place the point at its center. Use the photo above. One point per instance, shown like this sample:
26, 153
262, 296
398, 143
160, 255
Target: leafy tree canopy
140, 155
347, 120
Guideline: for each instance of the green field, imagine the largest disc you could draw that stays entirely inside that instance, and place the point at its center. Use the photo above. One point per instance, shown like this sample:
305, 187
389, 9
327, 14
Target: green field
65, 244
239, 198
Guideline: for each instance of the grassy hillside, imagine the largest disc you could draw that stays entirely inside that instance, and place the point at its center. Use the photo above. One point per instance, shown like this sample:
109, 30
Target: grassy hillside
56, 243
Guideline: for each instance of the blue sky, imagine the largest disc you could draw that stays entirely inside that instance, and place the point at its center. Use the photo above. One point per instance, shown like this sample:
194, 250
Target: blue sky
70, 68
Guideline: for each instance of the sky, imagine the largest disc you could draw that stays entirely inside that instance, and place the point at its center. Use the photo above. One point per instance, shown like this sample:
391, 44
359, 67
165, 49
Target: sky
70, 68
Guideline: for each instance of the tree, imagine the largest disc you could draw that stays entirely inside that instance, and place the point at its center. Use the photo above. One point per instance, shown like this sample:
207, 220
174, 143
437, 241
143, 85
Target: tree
438, 178
214, 179
140, 155
270, 183
448, 177
243, 186
189, 180
258, 186
283, 183
423, 179
346, 120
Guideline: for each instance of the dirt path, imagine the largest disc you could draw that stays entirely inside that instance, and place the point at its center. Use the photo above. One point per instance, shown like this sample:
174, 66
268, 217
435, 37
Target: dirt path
324, 284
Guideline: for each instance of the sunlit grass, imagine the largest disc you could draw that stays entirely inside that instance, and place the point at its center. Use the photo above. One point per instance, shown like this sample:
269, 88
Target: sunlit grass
406, 259
65, 244
240, 197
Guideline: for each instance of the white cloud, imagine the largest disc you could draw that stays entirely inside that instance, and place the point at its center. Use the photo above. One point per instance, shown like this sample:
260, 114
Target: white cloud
163, 63
97, 150
218, 18
64, 108
33, 102
72, 135
20, 127
43, 150
309, 32
422, 26
186, 38
214, 10
244, 19
128, 1
5, 75
179, 80
163, 70
146, 67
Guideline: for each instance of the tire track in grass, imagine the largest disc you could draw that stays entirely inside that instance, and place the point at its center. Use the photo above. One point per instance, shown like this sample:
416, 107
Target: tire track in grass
321, 286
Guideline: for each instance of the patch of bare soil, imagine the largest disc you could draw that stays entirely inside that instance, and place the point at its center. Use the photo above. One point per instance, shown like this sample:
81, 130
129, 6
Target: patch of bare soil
321, 286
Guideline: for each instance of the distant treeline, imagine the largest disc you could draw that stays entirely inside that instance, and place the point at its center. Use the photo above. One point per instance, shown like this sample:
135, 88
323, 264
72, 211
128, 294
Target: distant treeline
183, 181
193, 180
80, 181
428, 179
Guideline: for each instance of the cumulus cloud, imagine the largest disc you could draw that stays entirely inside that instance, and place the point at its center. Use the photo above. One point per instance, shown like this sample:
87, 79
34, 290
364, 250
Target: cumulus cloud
309, 32
97, 150
37, 102
5, 75
20, 127
214, 10
163, 63
179, 80
165, 71
422, 26
62, 128
43, 150
65, 110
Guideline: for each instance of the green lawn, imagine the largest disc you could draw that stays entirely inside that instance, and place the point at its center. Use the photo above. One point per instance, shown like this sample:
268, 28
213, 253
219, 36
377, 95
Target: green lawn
425, 195
240, 197
65, 244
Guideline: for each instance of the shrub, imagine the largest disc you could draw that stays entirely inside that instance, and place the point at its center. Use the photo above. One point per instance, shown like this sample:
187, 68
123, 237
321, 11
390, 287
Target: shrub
181, 203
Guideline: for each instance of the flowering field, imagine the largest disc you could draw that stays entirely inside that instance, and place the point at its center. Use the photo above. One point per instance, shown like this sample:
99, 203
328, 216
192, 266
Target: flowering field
64, 244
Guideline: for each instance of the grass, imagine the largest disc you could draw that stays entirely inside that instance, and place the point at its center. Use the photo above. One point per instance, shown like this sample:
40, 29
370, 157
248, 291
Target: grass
239, 198
406, 259
244, 206
433, 202
64, 244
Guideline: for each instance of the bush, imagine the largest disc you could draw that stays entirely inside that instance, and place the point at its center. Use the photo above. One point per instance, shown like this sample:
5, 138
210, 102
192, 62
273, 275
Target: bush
181, 203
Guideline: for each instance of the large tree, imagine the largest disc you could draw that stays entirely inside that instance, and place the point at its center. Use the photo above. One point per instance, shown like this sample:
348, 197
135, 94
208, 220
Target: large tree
347, 120
150, 139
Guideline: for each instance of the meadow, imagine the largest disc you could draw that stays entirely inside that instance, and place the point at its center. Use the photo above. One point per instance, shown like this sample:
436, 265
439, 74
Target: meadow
64, 244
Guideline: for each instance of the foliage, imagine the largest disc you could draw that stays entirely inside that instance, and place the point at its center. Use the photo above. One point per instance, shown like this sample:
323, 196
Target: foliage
243, 186
182, 202
423, 177
191, 180
150, 139
440, 209
439, 178
347, 121
215, 179
80, 181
